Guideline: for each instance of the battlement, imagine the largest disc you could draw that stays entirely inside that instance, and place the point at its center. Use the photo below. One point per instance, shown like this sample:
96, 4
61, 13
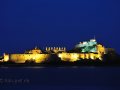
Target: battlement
56, 49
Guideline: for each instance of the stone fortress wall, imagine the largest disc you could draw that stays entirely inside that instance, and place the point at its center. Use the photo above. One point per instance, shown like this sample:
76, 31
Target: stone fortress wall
38, 56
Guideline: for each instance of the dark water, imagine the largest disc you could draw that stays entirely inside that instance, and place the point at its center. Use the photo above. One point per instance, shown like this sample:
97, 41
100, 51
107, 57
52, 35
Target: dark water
60, 78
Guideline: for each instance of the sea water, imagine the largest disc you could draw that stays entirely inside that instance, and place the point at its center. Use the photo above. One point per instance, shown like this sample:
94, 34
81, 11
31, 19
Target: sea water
60, 78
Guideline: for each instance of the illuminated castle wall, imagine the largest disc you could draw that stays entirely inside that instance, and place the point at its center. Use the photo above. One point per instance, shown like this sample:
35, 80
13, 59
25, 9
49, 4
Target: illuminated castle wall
89, 55
88, 50
72, 57
22, 58
31, 55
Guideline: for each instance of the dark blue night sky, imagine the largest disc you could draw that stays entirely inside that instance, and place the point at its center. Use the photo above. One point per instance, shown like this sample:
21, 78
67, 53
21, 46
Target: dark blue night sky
28, 23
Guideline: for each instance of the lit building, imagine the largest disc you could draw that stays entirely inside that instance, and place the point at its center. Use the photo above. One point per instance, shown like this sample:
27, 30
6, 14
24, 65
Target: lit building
87, 46
87, 50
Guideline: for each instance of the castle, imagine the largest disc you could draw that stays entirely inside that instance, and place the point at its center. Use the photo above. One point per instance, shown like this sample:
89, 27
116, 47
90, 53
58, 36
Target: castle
84, 50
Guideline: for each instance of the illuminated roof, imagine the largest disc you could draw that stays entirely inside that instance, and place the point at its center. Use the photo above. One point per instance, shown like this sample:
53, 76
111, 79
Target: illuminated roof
87, 46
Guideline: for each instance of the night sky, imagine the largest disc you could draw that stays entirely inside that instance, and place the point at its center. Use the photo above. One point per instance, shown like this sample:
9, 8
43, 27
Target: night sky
25, 24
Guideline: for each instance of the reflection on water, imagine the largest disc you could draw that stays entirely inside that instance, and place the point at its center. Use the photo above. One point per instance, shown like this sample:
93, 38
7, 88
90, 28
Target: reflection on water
61, 77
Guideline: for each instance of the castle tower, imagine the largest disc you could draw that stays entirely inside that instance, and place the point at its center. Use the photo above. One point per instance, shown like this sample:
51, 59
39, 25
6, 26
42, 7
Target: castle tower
64, 49
46, 49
